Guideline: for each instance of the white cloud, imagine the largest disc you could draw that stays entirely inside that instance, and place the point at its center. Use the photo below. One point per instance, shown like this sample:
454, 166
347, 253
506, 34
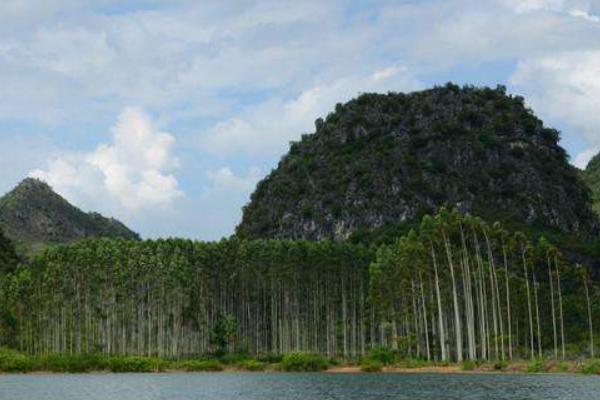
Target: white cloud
268, 127
566, 87
131, 172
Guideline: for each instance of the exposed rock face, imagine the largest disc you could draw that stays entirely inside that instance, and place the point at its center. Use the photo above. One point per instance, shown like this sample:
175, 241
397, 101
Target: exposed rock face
387, 159
33, 216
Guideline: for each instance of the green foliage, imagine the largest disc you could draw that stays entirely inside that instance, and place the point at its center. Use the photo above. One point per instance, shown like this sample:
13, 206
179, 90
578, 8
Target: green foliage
591, 367
136, 364
384, 355
270, 358
500, 365
253, 365
468, 365
303, 362
224, 332
536, 366
14, 362
591, 176
71, 364
371, 365
202, 366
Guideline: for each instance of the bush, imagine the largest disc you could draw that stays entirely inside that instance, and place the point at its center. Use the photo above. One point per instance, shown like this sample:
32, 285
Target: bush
202, 366
536, 366
136, 364
252, 365
71, 364
12, 361
500, 365
591, 367
303, 362
234, 358
370, 365
384, 355
270, 358
412, 363
468, 365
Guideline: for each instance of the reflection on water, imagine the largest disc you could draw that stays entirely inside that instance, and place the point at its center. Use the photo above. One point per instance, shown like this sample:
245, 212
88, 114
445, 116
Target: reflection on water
267, 386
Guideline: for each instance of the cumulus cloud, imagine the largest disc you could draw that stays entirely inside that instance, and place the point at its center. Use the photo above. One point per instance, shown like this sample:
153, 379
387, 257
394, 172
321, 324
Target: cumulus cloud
565, 87
132, 171
267, 128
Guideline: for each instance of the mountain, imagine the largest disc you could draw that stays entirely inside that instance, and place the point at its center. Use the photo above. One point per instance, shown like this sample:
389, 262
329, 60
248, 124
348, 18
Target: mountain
33, 216
386, 159
591, 176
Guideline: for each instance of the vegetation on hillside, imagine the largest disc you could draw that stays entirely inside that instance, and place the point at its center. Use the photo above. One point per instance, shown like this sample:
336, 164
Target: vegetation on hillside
8, 255
33, 216
382, 160
591, 176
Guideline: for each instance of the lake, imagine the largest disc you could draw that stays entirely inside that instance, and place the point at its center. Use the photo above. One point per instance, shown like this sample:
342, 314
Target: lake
273, 386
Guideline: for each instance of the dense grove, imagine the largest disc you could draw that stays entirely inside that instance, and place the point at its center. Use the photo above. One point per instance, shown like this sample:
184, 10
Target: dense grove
453, 289
164, 298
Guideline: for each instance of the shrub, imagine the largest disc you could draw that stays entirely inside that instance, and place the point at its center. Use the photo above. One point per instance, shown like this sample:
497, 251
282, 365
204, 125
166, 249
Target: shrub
384, 355
500, 365
136, 364
413, 363
468, 365
13, 361
270, 358
303, 362
252, 365
202, 366
370, 365
234, 358
591, 367
71, 364
536, 366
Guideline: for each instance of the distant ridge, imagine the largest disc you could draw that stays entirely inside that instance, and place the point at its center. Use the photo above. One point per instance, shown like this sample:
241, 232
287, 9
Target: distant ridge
33, 216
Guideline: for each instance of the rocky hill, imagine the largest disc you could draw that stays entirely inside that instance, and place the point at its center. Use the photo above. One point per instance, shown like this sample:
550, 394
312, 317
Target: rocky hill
591, 176
33, 216
381, 160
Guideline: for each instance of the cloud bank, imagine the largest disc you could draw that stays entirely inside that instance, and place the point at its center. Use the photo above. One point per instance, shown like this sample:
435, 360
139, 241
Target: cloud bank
131, 172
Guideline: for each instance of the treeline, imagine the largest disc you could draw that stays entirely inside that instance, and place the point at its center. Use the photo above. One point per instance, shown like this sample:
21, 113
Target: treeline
457, 288
164, 298
453, 289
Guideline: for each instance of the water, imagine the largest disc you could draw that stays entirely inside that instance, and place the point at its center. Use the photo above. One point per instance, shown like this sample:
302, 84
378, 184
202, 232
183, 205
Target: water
272, 386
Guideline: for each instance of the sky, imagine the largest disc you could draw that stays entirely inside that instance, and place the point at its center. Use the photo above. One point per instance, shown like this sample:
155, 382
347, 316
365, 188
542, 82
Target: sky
165, 114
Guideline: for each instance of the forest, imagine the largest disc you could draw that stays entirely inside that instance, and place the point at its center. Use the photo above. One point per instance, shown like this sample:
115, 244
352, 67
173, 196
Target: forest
455, 288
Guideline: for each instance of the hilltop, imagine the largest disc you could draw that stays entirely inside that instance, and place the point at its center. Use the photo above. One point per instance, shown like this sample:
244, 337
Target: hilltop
33, 216
386, 159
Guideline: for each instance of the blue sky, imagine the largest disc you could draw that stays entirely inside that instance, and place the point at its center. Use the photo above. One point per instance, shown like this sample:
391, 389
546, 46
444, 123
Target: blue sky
165, 114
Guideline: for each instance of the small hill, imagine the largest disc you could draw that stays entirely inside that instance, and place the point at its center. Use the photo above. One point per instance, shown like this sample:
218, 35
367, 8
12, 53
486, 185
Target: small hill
591, 176
33, 216
387, 159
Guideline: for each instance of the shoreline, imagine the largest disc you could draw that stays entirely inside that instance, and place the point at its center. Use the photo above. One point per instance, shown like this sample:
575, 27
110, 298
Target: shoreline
518, 369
